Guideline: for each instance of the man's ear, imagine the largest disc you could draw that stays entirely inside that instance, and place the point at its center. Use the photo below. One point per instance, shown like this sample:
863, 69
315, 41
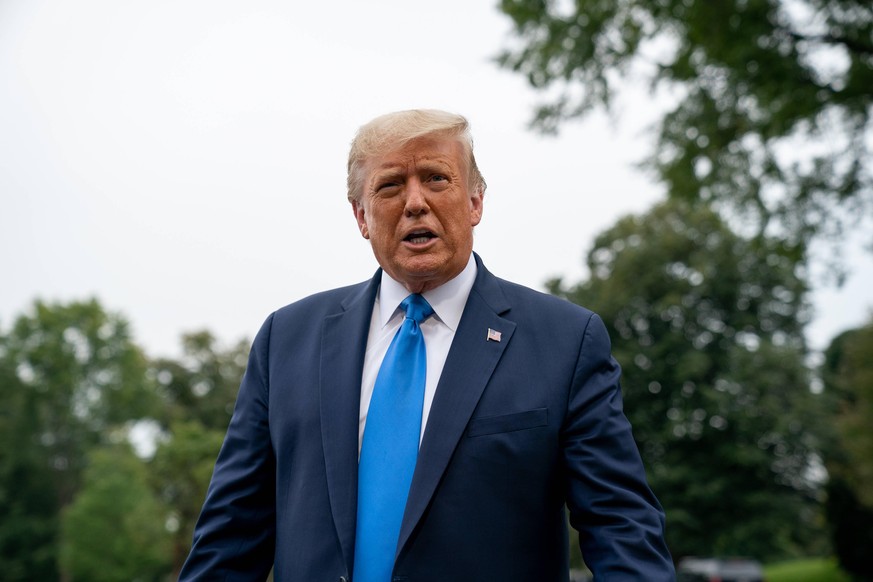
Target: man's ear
476, 207
358, 210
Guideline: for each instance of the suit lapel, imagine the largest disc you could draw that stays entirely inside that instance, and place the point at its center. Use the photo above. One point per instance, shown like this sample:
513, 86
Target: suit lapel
343, 346
470, 363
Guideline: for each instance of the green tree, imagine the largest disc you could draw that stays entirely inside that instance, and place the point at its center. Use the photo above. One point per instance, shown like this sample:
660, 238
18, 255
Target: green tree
71, 376
848, 377
115, 529
202, 385
28, 503
180, 473
708, 327
769, 102
198, 391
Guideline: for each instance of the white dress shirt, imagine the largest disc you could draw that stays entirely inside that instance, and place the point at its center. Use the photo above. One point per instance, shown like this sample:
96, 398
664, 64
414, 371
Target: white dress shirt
447, 300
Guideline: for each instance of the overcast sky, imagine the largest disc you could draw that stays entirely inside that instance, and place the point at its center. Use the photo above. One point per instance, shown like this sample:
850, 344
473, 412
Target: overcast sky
184, 161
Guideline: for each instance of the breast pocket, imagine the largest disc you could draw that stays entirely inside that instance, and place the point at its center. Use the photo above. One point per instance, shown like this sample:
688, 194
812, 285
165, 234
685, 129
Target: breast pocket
508, 422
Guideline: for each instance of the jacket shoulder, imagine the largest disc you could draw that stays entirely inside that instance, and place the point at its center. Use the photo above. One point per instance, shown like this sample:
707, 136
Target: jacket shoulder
542, 305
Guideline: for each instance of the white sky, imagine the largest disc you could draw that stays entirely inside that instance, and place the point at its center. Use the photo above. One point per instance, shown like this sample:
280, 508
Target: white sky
184, 160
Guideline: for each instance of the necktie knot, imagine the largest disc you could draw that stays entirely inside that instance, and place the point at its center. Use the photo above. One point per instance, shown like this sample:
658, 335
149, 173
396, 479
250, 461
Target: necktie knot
417, 308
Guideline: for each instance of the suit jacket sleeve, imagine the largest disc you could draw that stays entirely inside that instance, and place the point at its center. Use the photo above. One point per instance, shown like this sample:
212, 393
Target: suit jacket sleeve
234, 536
620, 522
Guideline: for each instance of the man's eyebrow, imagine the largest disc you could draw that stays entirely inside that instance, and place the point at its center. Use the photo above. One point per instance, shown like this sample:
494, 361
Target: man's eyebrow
397, 168
387, 172
441, 159
432, 164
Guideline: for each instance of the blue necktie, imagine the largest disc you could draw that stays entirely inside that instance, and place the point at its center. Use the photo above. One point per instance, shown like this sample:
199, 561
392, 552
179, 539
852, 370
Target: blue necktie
390, 446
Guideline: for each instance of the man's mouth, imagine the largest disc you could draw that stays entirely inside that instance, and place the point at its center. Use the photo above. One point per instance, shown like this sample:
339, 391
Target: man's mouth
419, 237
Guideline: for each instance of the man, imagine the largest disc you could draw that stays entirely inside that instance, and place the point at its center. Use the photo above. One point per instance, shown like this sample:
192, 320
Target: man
510, 396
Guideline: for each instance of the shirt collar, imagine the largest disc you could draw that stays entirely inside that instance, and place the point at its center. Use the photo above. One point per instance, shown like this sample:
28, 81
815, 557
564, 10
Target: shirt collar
448, 300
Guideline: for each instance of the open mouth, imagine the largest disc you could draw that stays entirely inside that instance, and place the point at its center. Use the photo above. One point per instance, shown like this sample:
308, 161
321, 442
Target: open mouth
419, 237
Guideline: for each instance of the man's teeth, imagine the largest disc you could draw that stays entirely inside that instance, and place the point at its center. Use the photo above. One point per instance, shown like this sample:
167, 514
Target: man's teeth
419, 237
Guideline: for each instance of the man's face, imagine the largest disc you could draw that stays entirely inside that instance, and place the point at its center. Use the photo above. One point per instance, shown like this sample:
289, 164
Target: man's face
418, 211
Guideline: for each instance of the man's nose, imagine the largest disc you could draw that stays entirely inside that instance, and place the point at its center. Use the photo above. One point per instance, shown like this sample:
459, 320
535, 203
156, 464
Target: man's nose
416, 199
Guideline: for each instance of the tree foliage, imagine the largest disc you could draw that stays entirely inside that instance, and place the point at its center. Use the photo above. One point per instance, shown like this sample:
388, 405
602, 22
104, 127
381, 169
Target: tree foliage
198, 392
72, 384
115, 529
848, 373
848, 377
28, 502
202, 385
179, 474
768, 102
708, 327
71, 378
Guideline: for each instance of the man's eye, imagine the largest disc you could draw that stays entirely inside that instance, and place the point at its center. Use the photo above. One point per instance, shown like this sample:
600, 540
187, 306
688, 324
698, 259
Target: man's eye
438, 178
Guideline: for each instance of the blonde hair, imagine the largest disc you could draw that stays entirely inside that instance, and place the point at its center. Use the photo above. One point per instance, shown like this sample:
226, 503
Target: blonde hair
391, 131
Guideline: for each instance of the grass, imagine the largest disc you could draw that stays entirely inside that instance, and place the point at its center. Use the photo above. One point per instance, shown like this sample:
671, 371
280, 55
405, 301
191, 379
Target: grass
811, 570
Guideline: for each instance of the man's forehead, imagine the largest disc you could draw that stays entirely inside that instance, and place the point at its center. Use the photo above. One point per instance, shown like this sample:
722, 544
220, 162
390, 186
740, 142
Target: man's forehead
426, 149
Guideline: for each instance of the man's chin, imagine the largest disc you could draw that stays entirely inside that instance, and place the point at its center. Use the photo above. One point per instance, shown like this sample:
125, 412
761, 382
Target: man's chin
422, 273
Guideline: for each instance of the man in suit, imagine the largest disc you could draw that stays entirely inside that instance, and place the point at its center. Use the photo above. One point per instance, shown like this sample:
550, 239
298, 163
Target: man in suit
518, 413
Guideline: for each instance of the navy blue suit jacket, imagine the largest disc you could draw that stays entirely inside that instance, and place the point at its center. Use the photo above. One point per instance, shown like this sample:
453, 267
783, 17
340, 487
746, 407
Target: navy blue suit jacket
518, 428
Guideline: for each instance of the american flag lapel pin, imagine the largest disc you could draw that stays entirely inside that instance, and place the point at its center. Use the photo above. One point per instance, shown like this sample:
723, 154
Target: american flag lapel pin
493, 335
